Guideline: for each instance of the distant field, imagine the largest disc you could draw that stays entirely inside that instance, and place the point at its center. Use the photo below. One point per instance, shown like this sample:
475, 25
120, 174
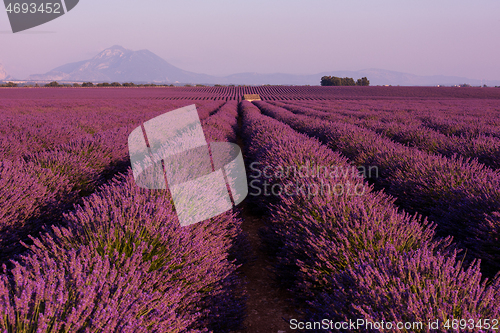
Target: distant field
266, 93
415, 240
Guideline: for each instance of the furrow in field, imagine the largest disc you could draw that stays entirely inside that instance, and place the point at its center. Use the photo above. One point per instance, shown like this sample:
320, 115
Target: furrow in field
486, 149
121, 260
338, 252
461, 196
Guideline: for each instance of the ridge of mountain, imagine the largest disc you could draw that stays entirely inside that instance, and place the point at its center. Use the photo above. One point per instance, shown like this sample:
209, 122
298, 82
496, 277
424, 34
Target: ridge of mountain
3, 73
117, 64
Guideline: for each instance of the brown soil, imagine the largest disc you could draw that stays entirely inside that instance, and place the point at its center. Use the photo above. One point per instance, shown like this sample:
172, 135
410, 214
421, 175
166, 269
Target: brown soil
269, 309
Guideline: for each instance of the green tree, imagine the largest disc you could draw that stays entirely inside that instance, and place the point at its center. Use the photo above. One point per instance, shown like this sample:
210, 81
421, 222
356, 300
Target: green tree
364, 81
326, 81
347, 81
344, 81
331, 81
53, 84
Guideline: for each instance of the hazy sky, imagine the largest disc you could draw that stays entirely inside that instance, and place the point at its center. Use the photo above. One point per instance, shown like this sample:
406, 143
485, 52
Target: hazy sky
220, 37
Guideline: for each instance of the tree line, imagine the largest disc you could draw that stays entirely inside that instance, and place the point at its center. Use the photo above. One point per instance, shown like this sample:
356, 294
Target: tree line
105, 84
343, 81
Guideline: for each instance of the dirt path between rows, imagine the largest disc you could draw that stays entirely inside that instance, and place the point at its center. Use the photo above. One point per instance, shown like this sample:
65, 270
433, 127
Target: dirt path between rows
269, 309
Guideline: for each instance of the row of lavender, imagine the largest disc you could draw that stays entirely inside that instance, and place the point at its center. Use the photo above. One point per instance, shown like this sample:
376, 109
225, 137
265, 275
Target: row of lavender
303, 93
484, 148
469, 118
461, 196
414, 132
318, 93
122, 263
468, 108
29, 126
38, 187
352, 255
57, 163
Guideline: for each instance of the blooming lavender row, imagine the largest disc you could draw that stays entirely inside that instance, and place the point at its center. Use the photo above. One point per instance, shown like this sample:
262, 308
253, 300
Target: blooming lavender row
467, 118
266, 92
205, 109
485, 148
465, 128
123, 263
37, 125
470, 129
356, 256
223, 124
460, 195
125, 245
481, 111
407, 127
40, 184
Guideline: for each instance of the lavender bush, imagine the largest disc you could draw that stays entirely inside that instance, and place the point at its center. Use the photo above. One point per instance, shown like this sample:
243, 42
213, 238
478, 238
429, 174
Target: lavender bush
419, 286
121, 262
320, 240
460, 195
78, 290
408, 130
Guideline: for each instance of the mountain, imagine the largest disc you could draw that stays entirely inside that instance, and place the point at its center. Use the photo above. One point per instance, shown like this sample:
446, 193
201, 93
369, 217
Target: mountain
376, 77
3, 73
117, 64
121, 65
385, 77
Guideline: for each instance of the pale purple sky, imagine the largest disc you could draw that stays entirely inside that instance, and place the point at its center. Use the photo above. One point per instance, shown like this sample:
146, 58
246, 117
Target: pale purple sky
221, 37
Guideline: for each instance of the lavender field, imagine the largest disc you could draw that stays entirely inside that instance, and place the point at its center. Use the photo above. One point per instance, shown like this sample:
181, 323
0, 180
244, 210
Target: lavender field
373, 203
